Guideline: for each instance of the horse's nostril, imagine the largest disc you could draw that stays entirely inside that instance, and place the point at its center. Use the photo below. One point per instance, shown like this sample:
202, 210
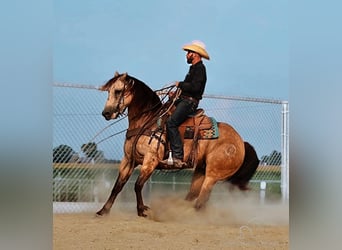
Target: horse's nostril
105, 114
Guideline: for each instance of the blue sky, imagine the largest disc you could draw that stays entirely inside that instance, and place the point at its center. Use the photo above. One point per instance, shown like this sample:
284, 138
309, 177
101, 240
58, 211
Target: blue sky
247, 41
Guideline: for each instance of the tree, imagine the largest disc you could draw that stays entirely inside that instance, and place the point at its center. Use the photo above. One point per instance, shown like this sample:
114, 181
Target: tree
264, 159
90, 150
273, 159
62, 154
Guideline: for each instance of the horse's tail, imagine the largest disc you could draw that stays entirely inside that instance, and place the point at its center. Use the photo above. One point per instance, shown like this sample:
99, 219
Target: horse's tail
247, 169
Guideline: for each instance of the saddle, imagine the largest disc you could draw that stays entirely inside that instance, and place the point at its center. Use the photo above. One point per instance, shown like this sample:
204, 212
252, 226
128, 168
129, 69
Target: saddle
199, 127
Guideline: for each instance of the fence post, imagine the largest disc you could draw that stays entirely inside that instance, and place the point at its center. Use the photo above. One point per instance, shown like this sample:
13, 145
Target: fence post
285, 152
262, 191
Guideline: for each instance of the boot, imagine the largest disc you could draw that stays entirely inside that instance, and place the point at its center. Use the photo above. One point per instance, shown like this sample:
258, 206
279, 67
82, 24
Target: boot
174, 162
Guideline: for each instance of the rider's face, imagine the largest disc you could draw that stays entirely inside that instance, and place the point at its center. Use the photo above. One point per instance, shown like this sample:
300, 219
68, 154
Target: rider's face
189, 57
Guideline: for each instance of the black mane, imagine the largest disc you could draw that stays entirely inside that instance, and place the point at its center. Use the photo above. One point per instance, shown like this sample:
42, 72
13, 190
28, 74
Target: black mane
144, 96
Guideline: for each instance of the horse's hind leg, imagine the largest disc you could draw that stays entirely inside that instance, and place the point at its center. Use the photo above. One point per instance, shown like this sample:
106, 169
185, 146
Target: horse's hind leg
124, 173
246, 171
204, 194
196, 184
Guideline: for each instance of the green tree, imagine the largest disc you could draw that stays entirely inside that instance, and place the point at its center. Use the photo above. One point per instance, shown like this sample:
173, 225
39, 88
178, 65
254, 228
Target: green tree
264, 159
62, 154
273, 159
90, 150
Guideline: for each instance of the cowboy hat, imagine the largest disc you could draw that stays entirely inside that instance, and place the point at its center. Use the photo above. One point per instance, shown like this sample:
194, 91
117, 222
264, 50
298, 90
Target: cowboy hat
198, 47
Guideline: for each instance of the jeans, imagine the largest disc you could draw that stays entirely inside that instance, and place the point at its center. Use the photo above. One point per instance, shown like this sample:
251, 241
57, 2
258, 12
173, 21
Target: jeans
184, 108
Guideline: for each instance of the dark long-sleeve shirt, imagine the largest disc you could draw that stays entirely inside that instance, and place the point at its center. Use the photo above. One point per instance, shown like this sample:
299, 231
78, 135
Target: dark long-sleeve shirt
194, 82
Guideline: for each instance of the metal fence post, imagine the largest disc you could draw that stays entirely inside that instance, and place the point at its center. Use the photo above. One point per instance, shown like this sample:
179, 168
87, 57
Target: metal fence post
285, 152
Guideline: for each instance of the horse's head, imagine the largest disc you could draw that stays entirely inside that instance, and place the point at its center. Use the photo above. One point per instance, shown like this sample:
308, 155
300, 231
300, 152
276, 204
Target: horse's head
119, 95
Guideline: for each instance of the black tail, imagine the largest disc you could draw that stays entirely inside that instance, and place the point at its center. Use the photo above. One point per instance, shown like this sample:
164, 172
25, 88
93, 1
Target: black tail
247, 169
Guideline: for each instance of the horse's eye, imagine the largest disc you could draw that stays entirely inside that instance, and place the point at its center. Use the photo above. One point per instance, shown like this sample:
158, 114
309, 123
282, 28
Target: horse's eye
117, 92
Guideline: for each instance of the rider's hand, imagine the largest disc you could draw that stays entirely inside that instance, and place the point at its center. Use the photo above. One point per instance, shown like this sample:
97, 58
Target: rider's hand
172, 94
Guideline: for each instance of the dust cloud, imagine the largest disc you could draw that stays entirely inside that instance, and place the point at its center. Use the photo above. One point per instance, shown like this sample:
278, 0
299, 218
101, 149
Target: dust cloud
231, 220
232, 208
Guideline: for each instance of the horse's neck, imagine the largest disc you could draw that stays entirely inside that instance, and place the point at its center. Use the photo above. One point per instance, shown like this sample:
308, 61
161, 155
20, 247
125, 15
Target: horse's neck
138, 120
140, 117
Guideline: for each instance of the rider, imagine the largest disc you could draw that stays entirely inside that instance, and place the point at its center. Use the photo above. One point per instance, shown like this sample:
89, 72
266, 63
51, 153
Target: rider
192, 90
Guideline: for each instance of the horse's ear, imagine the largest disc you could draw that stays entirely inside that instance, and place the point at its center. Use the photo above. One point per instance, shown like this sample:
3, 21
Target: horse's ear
124, 75
116, 74
102, 88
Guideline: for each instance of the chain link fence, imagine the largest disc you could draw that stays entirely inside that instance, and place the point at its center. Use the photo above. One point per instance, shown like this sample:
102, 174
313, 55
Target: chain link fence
87, 149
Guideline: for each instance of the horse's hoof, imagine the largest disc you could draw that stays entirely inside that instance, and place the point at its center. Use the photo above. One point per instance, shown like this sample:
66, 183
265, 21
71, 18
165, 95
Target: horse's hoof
199, 206
190, 197
142, 215
244, 187
141, 211
102, 212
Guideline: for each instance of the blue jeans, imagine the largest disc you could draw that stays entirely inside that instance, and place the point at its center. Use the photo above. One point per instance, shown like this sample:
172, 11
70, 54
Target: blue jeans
184, 108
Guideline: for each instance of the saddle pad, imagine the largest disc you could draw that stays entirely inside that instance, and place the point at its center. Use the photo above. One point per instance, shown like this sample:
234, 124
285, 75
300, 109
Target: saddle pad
211, 133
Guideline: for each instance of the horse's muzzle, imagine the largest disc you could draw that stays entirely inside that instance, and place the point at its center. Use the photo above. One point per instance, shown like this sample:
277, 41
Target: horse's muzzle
106, 114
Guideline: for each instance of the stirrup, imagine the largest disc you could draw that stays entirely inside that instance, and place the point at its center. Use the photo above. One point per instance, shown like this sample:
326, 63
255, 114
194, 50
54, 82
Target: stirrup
176, 164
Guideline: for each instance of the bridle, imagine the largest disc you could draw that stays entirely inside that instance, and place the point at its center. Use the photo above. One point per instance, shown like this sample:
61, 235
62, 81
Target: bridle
122, 96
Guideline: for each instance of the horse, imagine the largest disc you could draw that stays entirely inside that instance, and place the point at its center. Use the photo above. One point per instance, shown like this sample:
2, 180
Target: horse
225, 158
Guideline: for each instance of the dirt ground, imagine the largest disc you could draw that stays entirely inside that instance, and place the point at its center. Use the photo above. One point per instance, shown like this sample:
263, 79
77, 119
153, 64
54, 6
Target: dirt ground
172, 223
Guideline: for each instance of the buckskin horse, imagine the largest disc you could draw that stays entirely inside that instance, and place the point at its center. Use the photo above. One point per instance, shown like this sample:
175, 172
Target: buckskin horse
224, 157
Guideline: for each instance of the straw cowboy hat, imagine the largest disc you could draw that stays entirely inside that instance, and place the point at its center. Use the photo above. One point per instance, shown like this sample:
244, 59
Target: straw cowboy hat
198, 47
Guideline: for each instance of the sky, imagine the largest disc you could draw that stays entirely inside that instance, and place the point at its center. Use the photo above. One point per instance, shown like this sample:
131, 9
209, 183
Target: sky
247, 42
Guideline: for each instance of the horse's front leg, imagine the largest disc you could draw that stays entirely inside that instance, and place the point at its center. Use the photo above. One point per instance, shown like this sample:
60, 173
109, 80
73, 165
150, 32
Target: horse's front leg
125, 171
149, 164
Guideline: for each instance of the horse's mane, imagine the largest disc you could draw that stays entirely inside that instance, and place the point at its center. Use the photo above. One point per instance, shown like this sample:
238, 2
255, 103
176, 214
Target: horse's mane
145, 97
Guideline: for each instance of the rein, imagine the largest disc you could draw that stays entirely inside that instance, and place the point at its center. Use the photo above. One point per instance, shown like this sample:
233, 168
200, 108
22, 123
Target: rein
116, 121
155, 119
163, 91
